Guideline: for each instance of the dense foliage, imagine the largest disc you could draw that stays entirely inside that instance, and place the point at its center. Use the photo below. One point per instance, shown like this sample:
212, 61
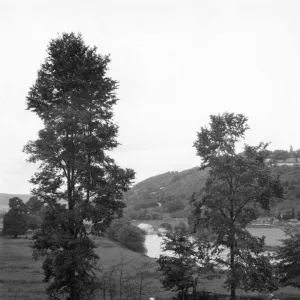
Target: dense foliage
237, 185
288, 267
283, 155
77, 179
158, 198
128, 235
15, 221
164, 195
188, 262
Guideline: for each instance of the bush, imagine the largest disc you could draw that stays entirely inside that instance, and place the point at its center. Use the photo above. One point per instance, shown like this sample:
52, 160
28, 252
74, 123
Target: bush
14, 223
115, 227
128, 235
133, 238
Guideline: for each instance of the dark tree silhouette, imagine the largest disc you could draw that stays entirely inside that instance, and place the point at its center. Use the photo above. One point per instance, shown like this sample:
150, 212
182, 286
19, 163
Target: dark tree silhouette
236, 185
15, 220
77, 179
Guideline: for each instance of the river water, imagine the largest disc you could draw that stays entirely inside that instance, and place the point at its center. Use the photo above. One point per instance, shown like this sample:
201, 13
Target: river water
273, 235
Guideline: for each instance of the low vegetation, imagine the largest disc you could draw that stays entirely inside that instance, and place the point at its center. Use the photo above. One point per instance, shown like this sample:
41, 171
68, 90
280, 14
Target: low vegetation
130, 236
23, 216
21, 277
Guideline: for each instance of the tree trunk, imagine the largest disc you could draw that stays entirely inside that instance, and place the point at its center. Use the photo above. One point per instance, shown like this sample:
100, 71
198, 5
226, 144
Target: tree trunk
183, 293
232, 269
73, 294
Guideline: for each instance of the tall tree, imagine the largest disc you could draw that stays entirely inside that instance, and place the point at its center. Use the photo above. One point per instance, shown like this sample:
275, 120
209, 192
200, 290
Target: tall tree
77, 179
236, 184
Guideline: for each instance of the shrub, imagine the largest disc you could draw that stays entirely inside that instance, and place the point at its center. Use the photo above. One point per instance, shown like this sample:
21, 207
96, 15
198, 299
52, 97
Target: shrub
128, 235
133, 238
14, 223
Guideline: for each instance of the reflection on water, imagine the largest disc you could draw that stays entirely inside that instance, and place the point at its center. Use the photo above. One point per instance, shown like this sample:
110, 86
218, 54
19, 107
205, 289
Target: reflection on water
273, 235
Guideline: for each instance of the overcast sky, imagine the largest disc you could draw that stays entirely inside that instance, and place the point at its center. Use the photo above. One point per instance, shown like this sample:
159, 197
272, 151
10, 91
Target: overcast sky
177, 62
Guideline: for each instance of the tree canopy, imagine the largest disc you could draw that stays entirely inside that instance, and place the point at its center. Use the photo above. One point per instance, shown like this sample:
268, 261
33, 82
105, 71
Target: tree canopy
185, 262
15, 220
288, 266
236, 186
77, 179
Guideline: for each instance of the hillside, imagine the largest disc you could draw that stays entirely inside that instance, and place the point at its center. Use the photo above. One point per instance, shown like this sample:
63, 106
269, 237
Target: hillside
167, 195
5, 197
164, 195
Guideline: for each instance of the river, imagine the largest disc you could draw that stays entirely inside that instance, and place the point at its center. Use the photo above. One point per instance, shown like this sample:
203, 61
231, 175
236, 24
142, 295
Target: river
273, 235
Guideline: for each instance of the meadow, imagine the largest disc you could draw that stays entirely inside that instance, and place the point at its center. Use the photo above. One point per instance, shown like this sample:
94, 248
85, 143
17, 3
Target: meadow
21, 276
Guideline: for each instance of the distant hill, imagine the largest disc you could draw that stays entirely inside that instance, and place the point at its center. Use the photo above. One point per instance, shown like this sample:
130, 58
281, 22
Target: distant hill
164, 194
168, 195
5, 197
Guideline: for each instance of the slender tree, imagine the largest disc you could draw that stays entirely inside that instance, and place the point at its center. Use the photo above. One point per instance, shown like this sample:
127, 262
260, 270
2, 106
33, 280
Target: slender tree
186, 261
236, 185
288, 259
77, 180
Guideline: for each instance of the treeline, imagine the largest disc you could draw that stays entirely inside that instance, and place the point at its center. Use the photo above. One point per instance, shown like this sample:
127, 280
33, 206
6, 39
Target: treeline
22, 217
280, 154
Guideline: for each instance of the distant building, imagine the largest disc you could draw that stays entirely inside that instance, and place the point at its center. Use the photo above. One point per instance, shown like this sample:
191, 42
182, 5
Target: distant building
287, 162
262, 222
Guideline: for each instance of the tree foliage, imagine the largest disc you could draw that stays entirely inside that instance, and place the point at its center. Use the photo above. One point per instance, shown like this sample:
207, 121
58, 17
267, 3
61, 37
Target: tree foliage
185, 262
236, 186
288, 267
34, 205
15, 220
77, 179
128, 235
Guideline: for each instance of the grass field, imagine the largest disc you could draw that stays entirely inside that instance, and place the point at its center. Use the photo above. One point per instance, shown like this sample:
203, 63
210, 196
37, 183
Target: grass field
21, 276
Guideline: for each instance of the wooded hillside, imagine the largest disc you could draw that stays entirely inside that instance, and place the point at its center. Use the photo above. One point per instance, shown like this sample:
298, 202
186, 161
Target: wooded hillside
168, 194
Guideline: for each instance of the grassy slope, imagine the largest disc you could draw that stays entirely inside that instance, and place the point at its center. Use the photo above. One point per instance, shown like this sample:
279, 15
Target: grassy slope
21, 277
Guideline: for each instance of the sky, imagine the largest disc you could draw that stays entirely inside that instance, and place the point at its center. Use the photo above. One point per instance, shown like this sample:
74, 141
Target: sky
177, 62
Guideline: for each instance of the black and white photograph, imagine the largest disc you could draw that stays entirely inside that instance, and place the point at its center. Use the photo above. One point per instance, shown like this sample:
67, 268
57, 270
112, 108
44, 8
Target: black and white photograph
150, 150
